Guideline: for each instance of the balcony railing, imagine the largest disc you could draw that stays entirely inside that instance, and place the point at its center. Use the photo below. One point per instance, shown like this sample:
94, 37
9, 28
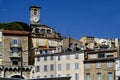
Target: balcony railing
10, 63
15, 45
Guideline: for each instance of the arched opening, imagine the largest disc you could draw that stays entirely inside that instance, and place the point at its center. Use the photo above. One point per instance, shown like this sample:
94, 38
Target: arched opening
17, 76
118, 78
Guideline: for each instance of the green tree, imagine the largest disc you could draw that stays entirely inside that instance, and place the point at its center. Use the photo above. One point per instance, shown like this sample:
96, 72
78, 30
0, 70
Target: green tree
15, 26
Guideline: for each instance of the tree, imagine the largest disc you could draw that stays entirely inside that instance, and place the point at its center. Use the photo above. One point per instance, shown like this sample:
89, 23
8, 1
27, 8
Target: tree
15, 26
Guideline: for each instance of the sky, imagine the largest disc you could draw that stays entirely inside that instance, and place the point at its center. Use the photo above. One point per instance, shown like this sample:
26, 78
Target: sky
77, 18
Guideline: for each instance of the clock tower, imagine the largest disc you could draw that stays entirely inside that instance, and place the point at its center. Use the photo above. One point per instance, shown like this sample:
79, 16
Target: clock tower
35, 15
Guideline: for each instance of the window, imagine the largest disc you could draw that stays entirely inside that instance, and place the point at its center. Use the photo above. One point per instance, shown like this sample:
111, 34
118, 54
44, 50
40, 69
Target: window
59, 67
59, 57
74, 48
46, 51
40, 51
37, 68
15, 62
109, 56
76, 44
51, 67
51, 57
45, 76
67, 75
38, 76
119, 62
68, 66
48, 31
36, 30
88, 76
98, 76
51, 76
76, 76
110, 77
15, 41
38, 59
98, 65
34, 40
41, 41
77, 65
45, 67
0, 44
59, 75
101, 55
45, 58
43, 30
15, 50
71, 44
109, 64
35, 11
76, 55
67, 56
87, 65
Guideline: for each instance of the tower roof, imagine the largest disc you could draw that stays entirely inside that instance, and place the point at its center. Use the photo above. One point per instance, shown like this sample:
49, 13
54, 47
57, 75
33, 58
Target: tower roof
35, 6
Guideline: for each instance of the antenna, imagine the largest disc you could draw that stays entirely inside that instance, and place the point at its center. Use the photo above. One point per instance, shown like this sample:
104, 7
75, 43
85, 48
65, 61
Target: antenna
69, 40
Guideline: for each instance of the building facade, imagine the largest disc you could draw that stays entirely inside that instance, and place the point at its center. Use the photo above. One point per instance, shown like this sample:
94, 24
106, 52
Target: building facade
100, 65
56, 56
12, 44
64, 64
99, 62
117, 68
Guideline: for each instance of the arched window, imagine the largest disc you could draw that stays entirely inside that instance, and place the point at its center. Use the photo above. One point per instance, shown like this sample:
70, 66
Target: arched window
35, 11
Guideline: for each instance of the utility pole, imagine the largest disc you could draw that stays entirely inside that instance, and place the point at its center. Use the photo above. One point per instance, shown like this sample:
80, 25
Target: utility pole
21, 65
21, 60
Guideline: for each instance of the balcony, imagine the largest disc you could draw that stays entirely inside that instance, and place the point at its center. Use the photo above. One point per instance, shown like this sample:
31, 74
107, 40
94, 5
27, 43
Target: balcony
15, 45
15, 57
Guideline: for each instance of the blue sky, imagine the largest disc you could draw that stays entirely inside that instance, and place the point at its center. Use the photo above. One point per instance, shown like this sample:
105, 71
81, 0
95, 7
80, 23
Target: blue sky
98, 18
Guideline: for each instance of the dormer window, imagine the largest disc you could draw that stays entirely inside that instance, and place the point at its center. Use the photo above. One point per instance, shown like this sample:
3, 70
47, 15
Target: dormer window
48, 31
71, 44
36, 30
43, 30
76, 44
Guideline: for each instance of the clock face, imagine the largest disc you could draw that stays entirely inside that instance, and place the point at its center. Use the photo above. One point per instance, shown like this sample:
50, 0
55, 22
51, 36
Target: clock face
35, 19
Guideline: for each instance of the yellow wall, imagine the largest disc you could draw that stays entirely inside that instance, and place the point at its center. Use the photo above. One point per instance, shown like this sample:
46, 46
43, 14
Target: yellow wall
45, 42
39, 42
0, 61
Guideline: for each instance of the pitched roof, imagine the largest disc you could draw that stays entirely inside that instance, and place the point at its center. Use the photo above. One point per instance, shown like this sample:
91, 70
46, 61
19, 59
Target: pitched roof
15, 32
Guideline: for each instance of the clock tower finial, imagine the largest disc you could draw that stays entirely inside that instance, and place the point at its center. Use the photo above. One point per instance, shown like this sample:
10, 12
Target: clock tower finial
35, 15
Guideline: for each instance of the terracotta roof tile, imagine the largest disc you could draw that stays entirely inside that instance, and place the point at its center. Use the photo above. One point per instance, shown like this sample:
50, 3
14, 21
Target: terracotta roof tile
15, 32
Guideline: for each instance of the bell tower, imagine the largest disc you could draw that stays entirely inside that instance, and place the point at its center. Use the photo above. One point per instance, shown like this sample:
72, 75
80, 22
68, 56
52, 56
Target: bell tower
35, 15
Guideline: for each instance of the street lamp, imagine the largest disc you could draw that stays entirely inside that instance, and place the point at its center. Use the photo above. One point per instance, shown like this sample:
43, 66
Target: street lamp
21, 60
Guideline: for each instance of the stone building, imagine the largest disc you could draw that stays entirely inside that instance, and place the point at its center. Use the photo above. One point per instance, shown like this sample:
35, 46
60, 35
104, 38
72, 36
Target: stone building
12, 44
56, 56
99, 62
117, 68
100, 65
41, 36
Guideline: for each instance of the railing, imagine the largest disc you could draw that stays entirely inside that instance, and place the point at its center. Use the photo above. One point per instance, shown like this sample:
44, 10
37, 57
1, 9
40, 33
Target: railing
9, 63
15, 45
